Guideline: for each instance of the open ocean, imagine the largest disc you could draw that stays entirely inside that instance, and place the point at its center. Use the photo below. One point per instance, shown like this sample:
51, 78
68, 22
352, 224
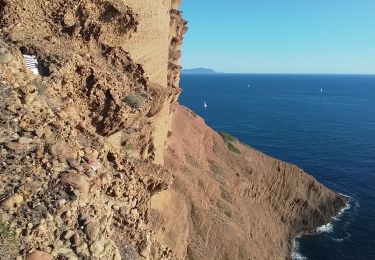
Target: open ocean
328, 133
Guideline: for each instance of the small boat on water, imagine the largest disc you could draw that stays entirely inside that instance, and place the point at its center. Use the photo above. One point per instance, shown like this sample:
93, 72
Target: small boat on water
321, 90
204, 104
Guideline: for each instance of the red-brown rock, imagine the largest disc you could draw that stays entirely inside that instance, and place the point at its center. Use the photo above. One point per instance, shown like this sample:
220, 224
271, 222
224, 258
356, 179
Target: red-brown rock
39, 255
77, 181
63, 150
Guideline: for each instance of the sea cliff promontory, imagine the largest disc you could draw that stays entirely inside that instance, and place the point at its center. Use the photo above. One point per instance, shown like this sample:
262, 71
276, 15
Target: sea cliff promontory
200, 71
99, 161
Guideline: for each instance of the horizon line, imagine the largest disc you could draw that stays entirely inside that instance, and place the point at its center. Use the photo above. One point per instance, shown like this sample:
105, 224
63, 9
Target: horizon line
287, 73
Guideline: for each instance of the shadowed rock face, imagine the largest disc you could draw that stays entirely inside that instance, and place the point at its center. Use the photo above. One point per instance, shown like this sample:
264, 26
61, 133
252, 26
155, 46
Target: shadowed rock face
97, 163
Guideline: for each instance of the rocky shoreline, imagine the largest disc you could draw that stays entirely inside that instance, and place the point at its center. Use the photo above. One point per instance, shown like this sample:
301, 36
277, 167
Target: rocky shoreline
294, 254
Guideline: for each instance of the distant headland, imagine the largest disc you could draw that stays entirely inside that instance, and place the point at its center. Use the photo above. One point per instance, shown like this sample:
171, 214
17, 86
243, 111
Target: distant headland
198, 71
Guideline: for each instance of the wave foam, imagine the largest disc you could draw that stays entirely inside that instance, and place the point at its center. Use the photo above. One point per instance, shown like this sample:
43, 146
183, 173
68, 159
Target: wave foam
295, 254
327, 228
342, 239
347, 206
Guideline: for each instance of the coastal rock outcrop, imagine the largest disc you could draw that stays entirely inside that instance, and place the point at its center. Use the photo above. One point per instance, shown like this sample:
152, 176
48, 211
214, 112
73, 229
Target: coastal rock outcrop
229, 201
97, 159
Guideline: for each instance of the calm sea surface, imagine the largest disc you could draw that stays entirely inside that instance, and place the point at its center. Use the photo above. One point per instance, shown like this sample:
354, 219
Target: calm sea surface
323, 123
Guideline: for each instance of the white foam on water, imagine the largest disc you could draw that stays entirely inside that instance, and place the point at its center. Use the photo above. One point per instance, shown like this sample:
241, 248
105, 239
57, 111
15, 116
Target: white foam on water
339, 240
327, 228
347, 206
295, 254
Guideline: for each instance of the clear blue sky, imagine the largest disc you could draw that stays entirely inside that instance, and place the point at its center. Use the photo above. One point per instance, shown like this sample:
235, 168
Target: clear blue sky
280, 36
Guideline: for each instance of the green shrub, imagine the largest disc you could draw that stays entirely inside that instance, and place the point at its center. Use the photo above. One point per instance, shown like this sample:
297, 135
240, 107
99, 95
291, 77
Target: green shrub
8, 242
229, 140
227, 137
133, 101
232, 148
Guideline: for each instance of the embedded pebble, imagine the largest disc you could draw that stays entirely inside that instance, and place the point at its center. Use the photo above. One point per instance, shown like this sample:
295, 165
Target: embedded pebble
68, 234
78, 181
14, 146
96, 165
63, 150
25, 140
97, 247
90, 155
39, 255
82, 126
92, 230
6, 57
75, 165
12, 202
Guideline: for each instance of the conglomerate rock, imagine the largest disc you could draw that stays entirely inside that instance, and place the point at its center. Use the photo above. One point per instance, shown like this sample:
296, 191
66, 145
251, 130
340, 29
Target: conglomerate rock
77, 167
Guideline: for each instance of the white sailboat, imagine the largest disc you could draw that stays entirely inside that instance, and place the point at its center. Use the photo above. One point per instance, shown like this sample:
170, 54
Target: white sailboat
204, 104
321, 90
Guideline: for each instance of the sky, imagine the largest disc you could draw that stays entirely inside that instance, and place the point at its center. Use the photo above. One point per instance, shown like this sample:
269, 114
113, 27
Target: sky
280, 36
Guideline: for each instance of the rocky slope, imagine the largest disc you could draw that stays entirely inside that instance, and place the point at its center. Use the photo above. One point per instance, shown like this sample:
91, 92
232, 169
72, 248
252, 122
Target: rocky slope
229, 201
98, 162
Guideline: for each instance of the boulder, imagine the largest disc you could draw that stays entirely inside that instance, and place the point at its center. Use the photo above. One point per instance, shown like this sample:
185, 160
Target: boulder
63, 150
77, 181
90, 155
97, 247
25, 140
39, 255
14, 146
13, 202
92, 230
6, 57
75, 165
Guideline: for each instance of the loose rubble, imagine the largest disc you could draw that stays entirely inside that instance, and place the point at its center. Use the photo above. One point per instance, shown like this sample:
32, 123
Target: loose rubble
75, 182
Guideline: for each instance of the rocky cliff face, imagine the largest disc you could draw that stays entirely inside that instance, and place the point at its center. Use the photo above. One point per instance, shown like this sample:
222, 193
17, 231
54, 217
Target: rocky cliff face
95, 162
229, 201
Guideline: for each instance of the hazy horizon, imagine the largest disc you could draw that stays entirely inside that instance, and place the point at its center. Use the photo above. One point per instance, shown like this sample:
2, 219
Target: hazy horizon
289, 37
284, 73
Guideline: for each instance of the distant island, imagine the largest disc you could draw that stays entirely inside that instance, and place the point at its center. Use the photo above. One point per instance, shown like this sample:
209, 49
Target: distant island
198, 71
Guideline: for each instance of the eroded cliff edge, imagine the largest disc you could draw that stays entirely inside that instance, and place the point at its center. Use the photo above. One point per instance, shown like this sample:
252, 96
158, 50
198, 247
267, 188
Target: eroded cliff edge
229, 201
99, 162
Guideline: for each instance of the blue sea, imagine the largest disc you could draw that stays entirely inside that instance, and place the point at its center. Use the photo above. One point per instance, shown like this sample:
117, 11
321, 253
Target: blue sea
323, 123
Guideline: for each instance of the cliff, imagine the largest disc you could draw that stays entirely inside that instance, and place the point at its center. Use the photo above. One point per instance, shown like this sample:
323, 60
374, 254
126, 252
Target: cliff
229, 201
99, 162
